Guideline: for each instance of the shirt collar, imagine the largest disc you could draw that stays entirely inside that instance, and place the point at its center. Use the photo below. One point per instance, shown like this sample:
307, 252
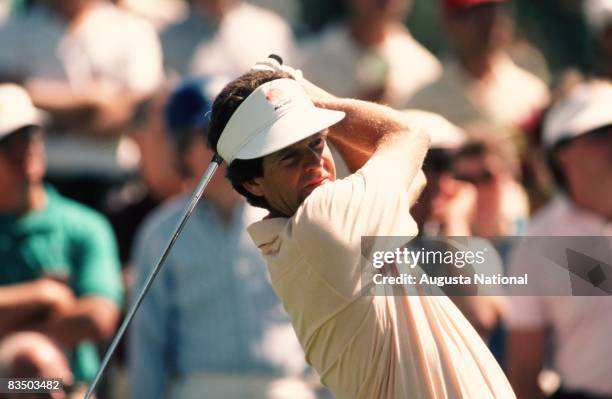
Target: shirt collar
266, 231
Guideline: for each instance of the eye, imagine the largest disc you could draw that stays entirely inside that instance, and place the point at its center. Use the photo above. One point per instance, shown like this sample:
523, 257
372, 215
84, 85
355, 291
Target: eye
319, 142
288, 158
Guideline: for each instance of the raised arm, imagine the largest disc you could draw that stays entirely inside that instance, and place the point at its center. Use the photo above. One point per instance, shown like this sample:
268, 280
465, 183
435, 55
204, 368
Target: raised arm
379, 134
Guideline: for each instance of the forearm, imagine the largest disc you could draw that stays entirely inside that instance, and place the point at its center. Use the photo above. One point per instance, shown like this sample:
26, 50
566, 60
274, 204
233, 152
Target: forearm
57, 96
364, 128
92, 318
14, 320
23, 297
96, 110
22, 305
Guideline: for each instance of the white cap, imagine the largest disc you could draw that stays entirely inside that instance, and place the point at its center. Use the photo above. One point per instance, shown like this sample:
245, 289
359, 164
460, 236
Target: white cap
598, 13
443, 134
17, 110
277, 114
587, 107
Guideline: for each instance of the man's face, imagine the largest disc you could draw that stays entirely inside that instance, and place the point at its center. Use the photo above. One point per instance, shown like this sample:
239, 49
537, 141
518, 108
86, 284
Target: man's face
291, 174
22, 157
214, 8
67, 8
477, 30
587, 164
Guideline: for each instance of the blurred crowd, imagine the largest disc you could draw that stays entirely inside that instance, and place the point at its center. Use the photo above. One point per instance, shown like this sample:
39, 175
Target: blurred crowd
103, 117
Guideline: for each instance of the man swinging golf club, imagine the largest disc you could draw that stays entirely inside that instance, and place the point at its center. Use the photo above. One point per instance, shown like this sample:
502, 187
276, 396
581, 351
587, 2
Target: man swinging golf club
267, 128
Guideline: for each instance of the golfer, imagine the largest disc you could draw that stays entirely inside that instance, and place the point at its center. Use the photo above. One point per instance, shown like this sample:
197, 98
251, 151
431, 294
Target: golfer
267, 128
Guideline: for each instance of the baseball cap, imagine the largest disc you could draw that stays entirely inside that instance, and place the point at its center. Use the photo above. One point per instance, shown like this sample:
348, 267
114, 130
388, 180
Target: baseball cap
190, 103
275, 115
587, 107
454, 5
17, 110
443, 134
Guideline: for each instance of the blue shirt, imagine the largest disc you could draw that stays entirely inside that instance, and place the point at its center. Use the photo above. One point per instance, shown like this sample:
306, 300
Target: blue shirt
211, 308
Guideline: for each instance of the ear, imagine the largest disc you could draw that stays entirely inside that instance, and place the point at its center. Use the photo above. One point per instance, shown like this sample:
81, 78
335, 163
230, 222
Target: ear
254, 187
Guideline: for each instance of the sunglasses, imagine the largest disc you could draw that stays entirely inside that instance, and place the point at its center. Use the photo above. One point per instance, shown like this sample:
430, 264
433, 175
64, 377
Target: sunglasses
480, 178
19, 136
438, 161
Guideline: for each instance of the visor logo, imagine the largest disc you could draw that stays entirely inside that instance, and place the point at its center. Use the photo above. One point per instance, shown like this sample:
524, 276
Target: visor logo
277, 98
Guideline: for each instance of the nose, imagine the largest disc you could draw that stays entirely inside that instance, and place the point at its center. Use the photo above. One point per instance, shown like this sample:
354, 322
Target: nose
313, 158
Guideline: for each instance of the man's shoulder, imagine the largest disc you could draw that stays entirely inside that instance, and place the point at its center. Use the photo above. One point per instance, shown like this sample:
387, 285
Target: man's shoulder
73, 214
551, 219
444, 91
165, 216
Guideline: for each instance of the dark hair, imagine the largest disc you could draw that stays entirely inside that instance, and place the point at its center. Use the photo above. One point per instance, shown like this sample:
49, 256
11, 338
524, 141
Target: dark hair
226, 103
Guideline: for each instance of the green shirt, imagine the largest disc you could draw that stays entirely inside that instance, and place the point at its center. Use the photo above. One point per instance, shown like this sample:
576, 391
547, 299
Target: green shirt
69, 241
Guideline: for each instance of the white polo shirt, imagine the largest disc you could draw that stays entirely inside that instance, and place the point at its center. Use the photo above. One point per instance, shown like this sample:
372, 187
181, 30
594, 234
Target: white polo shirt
507, 97
247, 34
334, 60
581, 325
364, 347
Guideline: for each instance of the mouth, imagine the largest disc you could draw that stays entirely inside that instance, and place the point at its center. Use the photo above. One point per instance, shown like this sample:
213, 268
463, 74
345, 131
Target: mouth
314, 183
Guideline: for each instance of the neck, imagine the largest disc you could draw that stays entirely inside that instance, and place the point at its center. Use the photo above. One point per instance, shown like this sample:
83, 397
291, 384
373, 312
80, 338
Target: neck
477, 66
367, 33
216, 13
275, 214
24, 199
75, 15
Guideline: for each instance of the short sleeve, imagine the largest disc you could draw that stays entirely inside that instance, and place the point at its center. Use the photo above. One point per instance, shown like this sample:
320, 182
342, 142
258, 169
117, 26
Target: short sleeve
144, 66
96, 258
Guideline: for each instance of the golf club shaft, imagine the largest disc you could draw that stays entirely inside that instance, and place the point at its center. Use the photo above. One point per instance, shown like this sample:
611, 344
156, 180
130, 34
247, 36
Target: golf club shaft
212, 167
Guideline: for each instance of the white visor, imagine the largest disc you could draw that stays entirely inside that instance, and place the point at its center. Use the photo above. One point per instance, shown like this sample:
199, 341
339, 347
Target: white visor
276, 115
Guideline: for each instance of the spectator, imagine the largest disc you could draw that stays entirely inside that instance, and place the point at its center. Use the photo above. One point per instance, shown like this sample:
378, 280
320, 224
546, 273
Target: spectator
60, 273
578, 140
447, 208
224, 37
447, 205
481, 83
211, 325
491, 164
159, 181
87, 63
371, 56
